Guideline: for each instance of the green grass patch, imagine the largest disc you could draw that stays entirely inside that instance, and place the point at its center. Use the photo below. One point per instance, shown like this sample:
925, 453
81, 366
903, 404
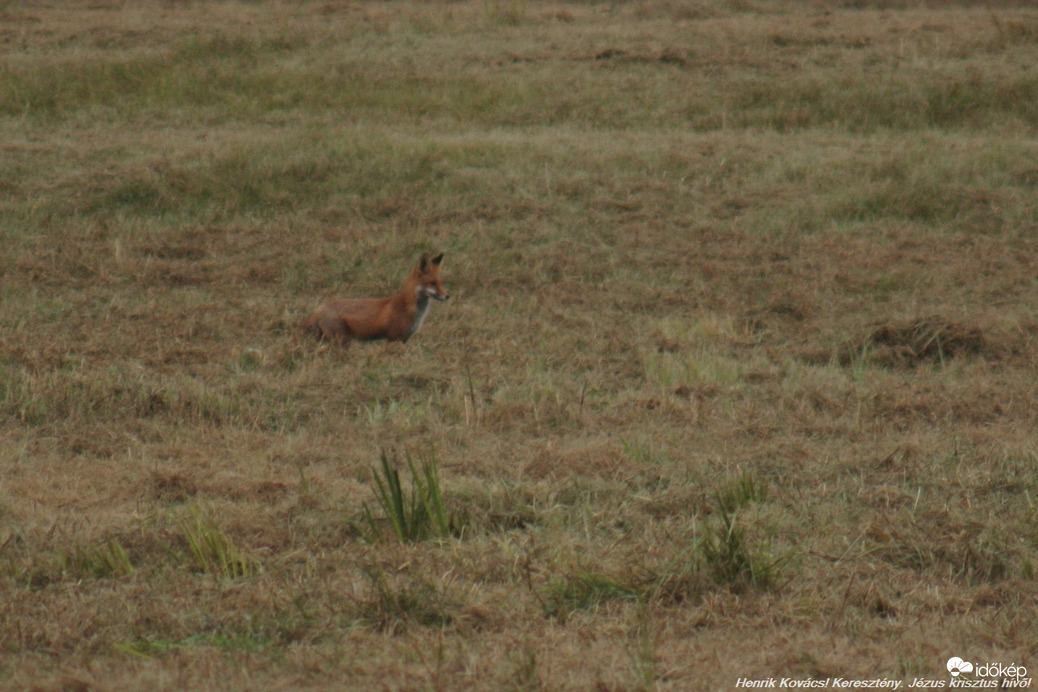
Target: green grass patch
151, 648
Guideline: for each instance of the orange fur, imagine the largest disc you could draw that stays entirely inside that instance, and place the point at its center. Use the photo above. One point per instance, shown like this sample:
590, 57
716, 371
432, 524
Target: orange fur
396, 318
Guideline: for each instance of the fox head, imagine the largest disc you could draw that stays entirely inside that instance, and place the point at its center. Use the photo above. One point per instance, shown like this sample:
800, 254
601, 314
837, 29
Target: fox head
427, 276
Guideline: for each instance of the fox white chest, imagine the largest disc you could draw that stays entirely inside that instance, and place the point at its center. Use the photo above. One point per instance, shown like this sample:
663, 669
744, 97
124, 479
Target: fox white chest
421, 310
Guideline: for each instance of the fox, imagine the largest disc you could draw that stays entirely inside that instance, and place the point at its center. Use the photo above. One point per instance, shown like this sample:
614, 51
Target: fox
396, 318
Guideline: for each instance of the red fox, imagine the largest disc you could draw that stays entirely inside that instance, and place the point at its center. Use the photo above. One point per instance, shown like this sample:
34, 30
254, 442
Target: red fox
396, 318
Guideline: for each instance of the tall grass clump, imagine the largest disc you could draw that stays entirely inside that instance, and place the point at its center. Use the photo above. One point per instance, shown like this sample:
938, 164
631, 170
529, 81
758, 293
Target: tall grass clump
726, 550
412, 516
745, 490
727, 554
105, 559
212, 551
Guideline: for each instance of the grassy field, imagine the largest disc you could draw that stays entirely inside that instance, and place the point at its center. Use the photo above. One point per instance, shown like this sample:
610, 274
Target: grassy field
737, 380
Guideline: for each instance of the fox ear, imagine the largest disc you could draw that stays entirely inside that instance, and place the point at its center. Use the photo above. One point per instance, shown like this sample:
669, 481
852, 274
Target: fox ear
437, 259
423, 263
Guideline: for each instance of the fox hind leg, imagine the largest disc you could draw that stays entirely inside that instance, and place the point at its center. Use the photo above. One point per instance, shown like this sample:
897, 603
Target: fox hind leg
334, 329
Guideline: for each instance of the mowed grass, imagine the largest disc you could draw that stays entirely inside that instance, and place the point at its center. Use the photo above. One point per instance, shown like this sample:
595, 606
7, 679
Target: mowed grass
737, 379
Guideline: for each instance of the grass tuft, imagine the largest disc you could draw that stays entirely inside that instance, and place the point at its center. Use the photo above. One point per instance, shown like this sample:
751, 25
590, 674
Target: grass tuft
586, 590
726, 549
104, 559
211, 551
745, 490
415, 516
726, 553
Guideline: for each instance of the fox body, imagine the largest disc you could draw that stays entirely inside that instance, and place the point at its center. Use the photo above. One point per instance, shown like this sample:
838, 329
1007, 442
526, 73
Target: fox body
395, 318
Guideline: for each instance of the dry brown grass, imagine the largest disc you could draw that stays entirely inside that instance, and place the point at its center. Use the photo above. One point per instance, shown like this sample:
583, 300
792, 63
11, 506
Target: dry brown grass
748, 264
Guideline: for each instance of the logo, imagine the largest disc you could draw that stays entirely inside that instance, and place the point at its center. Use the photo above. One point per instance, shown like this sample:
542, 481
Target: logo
956, 666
